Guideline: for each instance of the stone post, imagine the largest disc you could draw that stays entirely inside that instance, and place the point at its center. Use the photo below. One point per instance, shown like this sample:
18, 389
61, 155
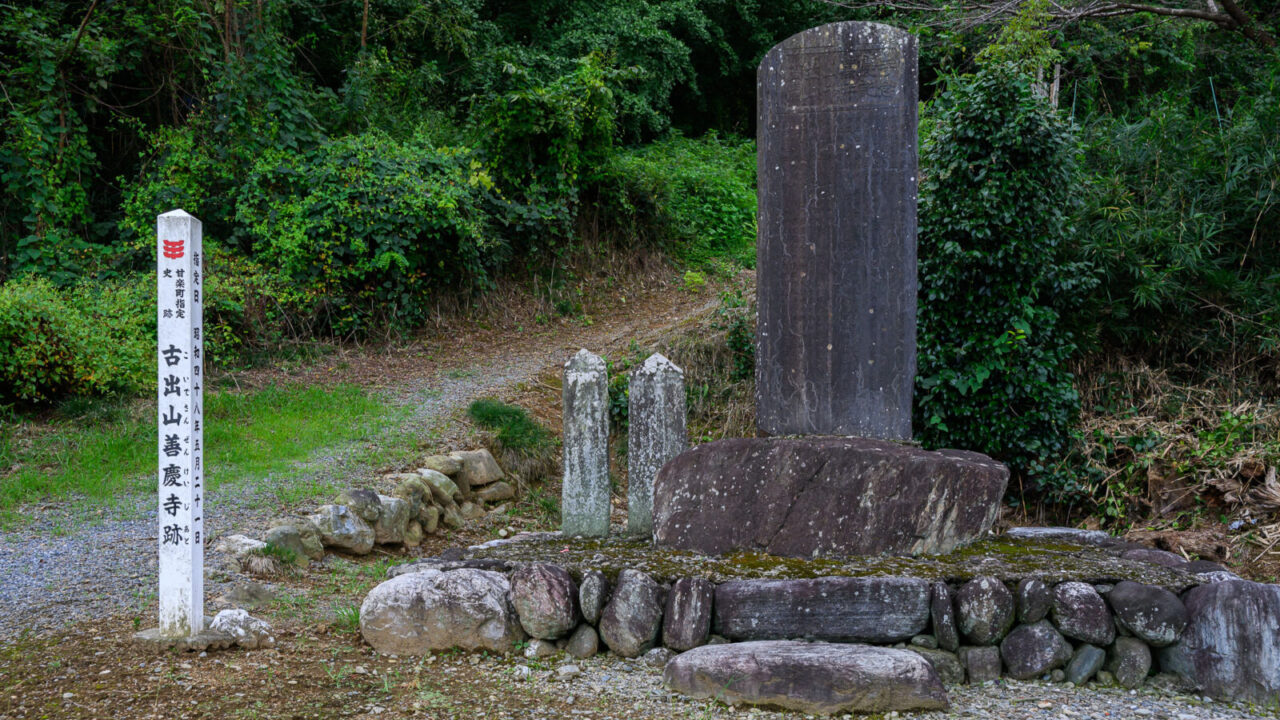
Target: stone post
584, 500
181, 435
836, 249
657, 432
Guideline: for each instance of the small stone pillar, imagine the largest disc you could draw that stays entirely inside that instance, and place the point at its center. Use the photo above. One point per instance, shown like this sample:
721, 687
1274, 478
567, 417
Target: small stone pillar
584, 497
657, 433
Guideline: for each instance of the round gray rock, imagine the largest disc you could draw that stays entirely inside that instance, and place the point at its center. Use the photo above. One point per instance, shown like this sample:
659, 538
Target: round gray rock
1129, 660
1034, 600
946, 664
583, 643
631, 620
1081, 613
814, 678
1032, 650
1153, 614
1085, 663
414, 613
984, 608
546, 599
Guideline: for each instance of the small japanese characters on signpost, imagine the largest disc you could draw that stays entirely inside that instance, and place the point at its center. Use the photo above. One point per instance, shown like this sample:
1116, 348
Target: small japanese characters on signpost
180, 393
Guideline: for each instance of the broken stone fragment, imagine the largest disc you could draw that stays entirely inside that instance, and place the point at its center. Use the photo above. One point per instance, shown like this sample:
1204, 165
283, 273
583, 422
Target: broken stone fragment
392, 521
478, 468
686, 621
443, 490
364, 503
286, 537
238, 546
443, 464
249, 632
497, 492
341, 528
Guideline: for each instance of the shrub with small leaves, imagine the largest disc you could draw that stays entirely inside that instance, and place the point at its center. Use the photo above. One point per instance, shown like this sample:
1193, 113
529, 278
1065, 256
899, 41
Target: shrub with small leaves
996, 276
90, 339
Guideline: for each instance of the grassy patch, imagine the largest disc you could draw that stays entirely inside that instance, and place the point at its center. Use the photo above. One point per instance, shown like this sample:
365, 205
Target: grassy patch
515, 429
247, 436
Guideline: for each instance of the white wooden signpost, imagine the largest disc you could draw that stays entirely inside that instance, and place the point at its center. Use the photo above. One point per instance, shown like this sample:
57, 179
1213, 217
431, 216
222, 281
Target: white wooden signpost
181, 418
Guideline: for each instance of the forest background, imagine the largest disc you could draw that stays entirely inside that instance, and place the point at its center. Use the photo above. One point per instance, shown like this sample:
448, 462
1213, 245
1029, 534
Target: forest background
1099, 222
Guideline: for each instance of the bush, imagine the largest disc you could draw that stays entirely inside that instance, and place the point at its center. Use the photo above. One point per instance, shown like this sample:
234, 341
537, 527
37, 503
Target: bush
538, 135
88, 340
995, 276
366, 227
1183, 220
694, 198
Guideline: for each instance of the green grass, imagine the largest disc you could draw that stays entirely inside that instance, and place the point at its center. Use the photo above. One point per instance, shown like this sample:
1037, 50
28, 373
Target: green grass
516, 430
248, 436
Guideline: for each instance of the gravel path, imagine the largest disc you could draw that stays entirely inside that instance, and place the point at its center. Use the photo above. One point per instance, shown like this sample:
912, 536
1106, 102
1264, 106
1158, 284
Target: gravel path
606, 687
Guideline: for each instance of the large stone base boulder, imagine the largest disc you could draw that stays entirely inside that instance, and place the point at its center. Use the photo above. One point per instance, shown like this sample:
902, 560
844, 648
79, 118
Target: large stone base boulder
806, 497
813, 678
417, 612
1230, 648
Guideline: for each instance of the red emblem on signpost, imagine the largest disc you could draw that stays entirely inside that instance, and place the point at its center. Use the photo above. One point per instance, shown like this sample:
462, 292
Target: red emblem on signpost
173, 249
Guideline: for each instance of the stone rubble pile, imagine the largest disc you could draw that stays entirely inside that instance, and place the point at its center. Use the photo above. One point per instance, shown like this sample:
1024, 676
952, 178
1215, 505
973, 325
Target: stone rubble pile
974, 631
446, 492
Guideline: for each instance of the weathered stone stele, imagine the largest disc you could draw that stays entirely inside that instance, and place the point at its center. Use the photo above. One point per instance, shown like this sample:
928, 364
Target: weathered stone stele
815, 497
584, 501
836, 247
656, 432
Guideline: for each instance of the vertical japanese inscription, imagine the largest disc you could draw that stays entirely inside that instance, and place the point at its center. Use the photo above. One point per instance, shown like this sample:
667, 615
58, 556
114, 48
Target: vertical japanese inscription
180, 392
836, 250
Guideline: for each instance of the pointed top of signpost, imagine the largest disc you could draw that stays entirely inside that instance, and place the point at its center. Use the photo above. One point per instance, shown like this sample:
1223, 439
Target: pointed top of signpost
178, 213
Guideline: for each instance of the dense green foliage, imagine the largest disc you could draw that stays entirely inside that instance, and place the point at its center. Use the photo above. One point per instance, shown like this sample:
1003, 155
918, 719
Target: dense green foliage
349, 175
696, 198
1183, 221
996, 198
91, 340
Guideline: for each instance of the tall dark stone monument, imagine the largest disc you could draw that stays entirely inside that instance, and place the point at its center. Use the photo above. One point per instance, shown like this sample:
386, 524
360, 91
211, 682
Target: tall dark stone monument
836, 343
836, 252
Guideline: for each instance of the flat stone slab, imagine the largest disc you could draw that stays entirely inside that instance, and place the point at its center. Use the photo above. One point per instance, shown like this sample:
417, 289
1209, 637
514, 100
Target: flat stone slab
813, 678
840, 609
1003, 558
825, 496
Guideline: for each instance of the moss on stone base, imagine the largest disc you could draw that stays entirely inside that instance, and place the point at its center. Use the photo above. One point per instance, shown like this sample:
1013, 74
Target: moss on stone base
1002, 557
